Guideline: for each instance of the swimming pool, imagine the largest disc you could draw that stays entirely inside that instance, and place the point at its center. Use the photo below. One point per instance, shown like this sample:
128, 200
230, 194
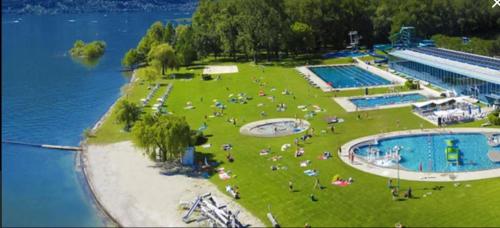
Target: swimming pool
343, 54
428, 151
370, 102
348, 76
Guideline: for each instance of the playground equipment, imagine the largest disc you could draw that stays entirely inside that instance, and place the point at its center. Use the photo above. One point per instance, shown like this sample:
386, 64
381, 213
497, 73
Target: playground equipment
452, 153
405, 38
391, 158
219, 215
354, 40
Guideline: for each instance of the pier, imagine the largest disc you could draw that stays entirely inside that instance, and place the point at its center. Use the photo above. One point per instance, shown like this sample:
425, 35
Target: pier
48, 146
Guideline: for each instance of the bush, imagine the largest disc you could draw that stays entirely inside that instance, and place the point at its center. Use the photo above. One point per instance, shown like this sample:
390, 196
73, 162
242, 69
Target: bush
411, 84
206, 77
494, 117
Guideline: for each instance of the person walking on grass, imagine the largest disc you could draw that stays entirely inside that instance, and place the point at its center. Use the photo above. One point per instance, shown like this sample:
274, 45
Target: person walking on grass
317, 184
290, 186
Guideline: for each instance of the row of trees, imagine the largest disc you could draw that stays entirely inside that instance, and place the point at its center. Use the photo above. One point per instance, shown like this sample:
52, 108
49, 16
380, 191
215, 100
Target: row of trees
250, 27
163, 136
475, 45
278, 28
163, 47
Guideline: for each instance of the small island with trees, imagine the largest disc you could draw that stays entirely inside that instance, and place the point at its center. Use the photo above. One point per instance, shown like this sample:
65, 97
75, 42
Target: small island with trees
88, 53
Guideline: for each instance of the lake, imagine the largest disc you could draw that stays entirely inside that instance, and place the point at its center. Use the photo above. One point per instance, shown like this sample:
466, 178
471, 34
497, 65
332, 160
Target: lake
48, 98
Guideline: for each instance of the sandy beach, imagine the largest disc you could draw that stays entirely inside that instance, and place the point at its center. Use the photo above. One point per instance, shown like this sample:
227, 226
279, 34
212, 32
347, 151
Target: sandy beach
132, 190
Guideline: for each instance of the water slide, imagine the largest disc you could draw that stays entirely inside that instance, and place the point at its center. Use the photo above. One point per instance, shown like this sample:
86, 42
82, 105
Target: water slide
383, 48
452, 153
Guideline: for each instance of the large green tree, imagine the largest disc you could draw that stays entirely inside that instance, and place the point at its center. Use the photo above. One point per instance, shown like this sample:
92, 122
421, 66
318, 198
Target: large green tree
169, 34
163, 55
132, 58
127, 112
165, 136
302, 38
184, 39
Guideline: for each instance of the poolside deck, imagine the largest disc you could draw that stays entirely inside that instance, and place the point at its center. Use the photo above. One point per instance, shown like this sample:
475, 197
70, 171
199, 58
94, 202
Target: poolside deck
314, 78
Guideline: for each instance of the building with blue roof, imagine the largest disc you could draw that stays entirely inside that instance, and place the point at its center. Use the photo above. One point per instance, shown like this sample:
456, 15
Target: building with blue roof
466, 74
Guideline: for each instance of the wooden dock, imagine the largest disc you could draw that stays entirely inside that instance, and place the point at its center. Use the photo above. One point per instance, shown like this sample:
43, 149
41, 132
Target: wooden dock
48, 146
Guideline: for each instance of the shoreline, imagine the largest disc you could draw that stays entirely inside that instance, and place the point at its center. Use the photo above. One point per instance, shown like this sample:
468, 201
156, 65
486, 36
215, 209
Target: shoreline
133, 190
82, 162
107, 200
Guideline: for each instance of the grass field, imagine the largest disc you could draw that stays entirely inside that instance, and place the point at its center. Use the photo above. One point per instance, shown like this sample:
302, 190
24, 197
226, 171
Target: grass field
367, 202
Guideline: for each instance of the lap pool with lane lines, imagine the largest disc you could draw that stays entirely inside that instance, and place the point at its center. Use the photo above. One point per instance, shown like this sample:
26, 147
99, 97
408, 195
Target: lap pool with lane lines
393, 99
348, 76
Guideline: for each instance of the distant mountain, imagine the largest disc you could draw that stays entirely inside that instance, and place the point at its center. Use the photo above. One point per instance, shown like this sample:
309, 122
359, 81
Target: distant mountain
84, 6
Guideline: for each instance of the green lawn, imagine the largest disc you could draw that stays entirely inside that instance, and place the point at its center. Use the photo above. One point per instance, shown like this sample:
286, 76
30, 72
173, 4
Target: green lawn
367, 202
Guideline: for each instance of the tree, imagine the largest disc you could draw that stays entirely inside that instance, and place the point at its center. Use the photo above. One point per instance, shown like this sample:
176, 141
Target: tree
163, 55
131, 58
127, 112
150, 75
169, 34
186, 53
164, 135
227, 27
302, 38
206, 40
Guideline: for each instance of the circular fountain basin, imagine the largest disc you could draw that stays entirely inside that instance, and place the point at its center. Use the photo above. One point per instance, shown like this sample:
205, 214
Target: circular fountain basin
275, 127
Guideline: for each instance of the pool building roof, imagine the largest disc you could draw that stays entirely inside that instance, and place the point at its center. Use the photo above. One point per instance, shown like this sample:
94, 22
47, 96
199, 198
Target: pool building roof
465, 68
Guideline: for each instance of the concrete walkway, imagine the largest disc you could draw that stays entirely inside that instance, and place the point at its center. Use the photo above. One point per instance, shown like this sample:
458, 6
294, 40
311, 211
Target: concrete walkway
361, 164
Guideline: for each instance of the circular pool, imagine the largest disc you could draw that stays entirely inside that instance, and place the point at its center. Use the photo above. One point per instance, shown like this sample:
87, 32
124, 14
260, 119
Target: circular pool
275, 127
427, 152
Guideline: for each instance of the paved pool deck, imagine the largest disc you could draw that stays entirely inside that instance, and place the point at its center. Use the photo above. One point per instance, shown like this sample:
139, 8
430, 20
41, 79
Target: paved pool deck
361, 164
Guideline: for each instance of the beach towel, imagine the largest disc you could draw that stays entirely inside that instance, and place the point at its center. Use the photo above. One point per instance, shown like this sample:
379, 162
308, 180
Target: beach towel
206, 145
310, 173
285, 146
305, 163
340, 183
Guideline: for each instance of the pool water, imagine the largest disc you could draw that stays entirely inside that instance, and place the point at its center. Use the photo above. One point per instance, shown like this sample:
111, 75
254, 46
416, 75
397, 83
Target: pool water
343, 54
369, 102
430, 151
279, 128
348, 76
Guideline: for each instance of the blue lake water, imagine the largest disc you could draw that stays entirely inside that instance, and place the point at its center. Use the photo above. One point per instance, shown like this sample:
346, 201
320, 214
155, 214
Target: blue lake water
348, 76
369, 102
48, 98
430, 151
